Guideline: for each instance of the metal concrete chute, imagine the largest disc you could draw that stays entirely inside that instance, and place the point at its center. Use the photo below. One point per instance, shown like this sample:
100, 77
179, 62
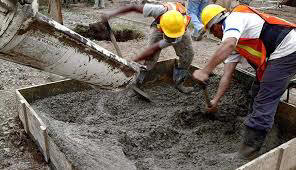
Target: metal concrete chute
30, 38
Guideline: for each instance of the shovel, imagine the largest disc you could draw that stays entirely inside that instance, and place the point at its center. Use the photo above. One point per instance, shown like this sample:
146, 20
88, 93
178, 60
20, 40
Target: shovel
206, 94
113, 40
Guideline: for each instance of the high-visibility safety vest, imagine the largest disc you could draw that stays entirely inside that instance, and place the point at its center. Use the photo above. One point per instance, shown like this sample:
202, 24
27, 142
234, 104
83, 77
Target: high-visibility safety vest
253, 49
173, 6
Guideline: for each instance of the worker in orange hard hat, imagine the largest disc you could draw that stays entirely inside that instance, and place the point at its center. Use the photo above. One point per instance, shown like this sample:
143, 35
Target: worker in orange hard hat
268, 44
169, 28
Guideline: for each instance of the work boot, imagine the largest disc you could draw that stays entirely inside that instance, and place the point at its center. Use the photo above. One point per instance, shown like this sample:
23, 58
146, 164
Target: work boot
245, 153
252, 142
179, 77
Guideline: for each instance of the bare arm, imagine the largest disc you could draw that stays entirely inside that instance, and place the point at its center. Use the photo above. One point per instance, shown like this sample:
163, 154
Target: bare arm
223, 86
202, 75
123, 10
220, 55
225, 81
149, 52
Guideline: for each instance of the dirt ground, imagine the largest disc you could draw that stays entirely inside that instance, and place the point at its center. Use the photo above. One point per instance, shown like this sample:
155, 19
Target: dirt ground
17, 150
111, 130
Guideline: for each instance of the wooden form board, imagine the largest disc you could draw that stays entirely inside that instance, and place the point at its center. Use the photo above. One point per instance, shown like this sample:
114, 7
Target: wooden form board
35, 127
282, 157
288, 161
33, 124
286, 114
268, 161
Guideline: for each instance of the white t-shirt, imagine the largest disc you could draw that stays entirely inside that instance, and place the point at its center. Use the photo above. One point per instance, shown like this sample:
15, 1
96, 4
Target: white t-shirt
249, 25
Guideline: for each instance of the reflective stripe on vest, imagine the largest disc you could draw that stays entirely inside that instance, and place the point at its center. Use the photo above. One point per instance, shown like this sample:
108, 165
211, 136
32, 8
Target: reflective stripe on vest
253, 49
178, 7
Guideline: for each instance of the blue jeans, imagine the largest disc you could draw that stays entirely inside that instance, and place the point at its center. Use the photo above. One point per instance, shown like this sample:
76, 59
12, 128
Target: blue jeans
195, 8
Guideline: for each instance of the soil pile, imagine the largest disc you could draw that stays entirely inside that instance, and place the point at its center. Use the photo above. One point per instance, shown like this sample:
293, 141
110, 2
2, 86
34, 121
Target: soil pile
98, 31
116, 129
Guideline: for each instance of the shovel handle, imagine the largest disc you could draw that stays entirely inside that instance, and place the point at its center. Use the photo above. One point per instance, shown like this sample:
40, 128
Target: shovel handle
206, 94
113, 39
108, 26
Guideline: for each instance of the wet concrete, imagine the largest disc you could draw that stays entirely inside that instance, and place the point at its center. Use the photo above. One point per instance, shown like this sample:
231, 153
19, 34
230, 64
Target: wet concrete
106, 129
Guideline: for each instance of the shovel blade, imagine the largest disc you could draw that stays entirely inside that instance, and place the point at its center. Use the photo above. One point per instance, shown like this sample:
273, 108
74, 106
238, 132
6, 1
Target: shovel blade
142, 93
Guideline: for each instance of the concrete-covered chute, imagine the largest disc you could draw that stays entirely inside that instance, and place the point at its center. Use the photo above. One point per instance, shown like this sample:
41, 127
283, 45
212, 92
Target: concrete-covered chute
30, 38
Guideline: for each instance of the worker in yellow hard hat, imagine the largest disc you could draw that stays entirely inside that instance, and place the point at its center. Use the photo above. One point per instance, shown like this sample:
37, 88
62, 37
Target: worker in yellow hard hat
268, 44
168, 29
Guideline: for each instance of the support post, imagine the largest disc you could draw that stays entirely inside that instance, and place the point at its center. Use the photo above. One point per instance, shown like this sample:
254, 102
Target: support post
55, 10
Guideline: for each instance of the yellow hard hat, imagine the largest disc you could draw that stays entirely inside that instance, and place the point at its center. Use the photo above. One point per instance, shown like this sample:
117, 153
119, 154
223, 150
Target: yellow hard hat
172, 24
209, 13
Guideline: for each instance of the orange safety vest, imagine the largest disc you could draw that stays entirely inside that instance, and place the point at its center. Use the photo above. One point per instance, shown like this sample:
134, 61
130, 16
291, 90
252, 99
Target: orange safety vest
253, 49
174, 6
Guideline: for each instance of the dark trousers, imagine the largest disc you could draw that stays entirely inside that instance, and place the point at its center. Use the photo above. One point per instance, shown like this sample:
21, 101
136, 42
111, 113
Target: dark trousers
268, 91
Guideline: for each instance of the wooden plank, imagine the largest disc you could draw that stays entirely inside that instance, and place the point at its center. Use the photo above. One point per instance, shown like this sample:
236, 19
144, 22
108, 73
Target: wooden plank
57, 158
244, 77
46, 149
21, 110
33, 93
55, 10
34, 125
268, 161
286, 117
38, 131
289, 155
162, 71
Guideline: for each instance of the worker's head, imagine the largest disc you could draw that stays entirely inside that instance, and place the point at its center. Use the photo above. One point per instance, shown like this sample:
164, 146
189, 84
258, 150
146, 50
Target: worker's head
212, 17
173, 24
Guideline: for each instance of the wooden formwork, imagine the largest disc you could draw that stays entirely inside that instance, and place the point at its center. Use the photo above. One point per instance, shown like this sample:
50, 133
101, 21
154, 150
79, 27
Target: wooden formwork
33, 124
283, 157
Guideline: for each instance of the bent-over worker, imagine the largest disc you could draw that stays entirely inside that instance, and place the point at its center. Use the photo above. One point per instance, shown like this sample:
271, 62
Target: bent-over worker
269, 45
168, 29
